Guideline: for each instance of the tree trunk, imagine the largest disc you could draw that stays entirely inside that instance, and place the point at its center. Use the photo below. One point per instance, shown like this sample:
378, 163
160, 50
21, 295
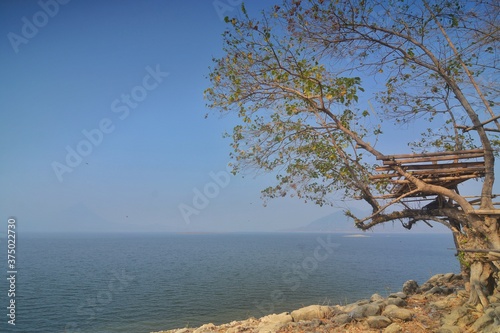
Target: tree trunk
480, 269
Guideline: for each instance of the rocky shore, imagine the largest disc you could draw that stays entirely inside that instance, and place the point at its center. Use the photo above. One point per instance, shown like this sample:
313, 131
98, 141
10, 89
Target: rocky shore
439, 305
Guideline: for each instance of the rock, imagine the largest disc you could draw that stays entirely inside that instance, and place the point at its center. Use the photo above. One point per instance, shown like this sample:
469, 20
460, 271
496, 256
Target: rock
311, 312
440, 305
448, 277
378, 321
394, 312
376, 297
283, 318
341, 319
434, 290
410, 287
395, 301
447, 291
435, 278
274, 322
449, 329
398, 295
452, 318
426, 287
480, 324
393, 328
365, 310
183, 330
205, 328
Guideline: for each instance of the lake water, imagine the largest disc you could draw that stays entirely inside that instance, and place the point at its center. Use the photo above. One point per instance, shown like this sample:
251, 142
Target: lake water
143, 283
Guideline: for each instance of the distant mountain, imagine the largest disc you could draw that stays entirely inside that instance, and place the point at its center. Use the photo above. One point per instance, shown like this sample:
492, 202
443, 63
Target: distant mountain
335, 222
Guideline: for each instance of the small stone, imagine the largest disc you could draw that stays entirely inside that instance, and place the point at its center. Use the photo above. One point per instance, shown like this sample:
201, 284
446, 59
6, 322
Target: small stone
342, 319
448, 277
283, 318
394, 312
426, 287
365, 310
435, 278
378, 321
440, 305
410, 287
393, 328
311, 312
395, 301
398, 295
376, 297
452, 318
447, 291
434, 290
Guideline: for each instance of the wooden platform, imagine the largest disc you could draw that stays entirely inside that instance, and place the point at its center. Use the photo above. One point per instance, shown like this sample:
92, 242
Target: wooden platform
447, 169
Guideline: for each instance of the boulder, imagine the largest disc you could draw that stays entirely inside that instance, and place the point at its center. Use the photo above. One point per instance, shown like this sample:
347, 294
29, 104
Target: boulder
365, 310
398, 295
395, 301
410, 287
311, 312
378, 321
393, 328
272, 323
284, 318
440, 305
435, 290
394, 312
341, 319
435, 279
453, 317
376, 297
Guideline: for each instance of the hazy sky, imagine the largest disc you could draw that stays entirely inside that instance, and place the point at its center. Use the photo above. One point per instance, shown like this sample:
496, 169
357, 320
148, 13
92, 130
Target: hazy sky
102, 121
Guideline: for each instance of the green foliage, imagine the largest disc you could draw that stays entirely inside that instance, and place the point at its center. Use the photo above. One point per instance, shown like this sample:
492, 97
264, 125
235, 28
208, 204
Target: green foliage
294, 79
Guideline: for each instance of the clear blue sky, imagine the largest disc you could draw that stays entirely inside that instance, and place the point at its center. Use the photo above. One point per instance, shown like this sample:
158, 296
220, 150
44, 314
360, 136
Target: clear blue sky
131, 75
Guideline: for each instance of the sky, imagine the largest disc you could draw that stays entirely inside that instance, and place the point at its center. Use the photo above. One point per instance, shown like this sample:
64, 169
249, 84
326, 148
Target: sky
102, 122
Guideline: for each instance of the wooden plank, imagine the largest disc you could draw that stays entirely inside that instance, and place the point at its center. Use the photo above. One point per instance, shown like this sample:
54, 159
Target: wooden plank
432, 180
479, 172
433, 159
433, 166
443, 153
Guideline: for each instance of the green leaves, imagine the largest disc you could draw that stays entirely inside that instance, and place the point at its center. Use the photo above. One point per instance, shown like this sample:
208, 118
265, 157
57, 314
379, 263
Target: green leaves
294, 76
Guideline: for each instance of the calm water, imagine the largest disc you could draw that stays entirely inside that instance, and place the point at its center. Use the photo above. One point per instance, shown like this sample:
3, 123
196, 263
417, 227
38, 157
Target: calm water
143, 283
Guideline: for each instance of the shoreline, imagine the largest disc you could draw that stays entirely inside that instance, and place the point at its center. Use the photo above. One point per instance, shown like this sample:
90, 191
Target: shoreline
438, 305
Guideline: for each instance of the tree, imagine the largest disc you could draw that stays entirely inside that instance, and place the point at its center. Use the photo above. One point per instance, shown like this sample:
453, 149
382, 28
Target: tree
294, 77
